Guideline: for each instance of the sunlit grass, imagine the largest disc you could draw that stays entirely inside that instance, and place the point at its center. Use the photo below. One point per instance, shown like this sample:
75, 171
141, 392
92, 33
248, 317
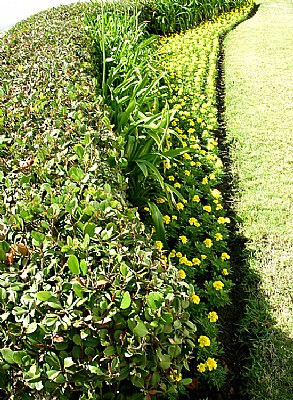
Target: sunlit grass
259, 103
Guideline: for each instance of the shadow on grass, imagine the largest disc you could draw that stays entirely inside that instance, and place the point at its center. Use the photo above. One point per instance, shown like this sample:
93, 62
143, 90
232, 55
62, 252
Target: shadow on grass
249, 338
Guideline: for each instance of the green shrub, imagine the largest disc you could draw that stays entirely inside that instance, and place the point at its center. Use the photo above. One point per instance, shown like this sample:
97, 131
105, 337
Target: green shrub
90, 309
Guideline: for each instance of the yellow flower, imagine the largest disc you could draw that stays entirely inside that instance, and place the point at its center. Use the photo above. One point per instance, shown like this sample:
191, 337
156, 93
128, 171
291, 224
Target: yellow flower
198, 164
167, 164
196, 261
225, 256
204, 341
179, 206
183, 260
216, 193
182, 274
196, 198
183, 239
191, 130
211, 364
178, 254
219, 207
205, 181
159, 245
166, 219
160, 200
218, 285
174, 217
191, 123
218, 236
187, 173
175, 376
201, 367
177, 185
203, 257
186, 156
171, 178
178, 378
213, 316
194, 221
172, 253
195, 299
219, 163
208, 243
212, 176
225, 271
221, 220
207, 208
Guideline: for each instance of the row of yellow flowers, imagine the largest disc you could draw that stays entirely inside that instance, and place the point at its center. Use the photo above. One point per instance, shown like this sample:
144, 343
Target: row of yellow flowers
197, 226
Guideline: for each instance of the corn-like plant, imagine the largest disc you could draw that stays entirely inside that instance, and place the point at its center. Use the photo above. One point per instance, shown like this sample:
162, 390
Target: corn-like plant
130, 85
165, 17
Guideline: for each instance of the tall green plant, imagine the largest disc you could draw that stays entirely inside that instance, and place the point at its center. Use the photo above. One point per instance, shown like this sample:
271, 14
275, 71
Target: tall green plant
131, 84
170, 16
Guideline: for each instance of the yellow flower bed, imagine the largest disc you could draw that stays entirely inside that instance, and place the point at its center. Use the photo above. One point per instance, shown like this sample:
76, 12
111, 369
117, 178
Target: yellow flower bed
197, 227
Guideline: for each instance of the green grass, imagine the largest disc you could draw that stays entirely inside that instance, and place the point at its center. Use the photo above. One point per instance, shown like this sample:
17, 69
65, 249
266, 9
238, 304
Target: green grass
259, 101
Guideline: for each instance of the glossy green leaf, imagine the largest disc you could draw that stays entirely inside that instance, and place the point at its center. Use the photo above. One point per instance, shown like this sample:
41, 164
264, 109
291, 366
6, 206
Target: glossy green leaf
83, 267
73, 264
68, 362
157, 218
44, 295
140, 330
7, 354
154, 300
126, 301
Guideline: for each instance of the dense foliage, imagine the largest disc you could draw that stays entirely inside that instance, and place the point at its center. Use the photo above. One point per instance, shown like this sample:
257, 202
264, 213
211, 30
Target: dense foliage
184, 192
93, 305
166, 17
85, 297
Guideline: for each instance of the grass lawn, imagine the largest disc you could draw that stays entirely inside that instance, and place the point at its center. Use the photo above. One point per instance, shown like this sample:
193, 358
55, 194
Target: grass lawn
259, 102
